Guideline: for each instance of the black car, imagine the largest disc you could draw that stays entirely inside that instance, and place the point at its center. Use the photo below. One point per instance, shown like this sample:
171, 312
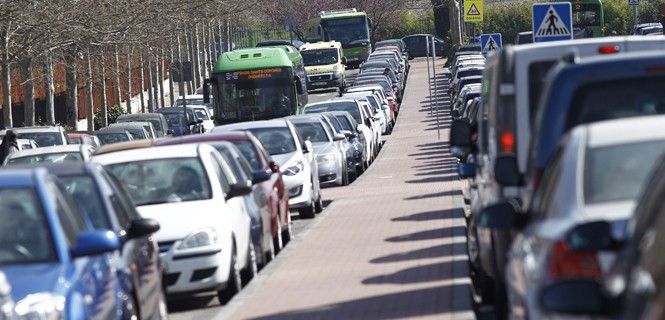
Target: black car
105, 203
417, 45
175, 117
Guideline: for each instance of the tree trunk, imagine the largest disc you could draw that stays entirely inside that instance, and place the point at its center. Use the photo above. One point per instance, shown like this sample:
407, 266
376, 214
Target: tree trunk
116, 78
161, 76
152, 94
128, 79
181, 84
102, 85
455, 27
196, 54
188, 51
28, 93
90, 110
71, 106
142, 81
50, 90
6, 85
171, 86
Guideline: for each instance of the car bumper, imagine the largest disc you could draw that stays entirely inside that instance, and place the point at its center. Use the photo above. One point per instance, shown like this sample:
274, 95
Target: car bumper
197, 272
330, 175
299, 188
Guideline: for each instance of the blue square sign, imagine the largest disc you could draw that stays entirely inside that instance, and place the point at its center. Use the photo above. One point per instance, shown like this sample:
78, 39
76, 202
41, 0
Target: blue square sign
490, 42
552, 21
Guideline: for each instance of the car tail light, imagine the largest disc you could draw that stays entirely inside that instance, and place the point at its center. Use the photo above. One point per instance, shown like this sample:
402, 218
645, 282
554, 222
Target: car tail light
566, 264
507, 142
609, 49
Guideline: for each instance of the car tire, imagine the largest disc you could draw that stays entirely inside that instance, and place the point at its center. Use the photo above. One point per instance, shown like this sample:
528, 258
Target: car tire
234, 282
287, 233
251, 267
308, 212
277, 239
318, 205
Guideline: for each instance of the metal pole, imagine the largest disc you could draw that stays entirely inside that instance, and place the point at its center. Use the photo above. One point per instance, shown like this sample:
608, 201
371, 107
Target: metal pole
436, 90
429, 80
635, 22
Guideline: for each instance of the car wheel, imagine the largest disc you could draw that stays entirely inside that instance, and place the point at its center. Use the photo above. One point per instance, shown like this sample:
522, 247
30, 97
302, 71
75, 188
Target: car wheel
287, 233
307, 212
318, 206
233, 283
251, 267
277, 239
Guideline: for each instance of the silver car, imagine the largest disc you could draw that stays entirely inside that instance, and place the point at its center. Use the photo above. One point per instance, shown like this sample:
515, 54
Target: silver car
331, 161
597, 173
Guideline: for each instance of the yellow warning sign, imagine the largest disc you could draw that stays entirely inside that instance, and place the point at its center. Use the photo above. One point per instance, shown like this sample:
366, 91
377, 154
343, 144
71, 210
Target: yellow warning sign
473, 10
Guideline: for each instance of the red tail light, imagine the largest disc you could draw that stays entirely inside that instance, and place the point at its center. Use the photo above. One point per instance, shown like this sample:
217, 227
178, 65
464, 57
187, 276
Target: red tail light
566, 264
609, 49
507, 142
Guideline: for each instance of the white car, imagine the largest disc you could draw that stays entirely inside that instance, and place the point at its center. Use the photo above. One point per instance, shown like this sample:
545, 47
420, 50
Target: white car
54, 154
295, 158
203, 113
204, 240
597, 173
375, 120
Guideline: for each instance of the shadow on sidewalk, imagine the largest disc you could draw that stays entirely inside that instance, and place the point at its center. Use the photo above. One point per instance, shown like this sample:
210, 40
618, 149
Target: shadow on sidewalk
430, 234
423, 273
431, 215
430, 301
425, 253
436, 195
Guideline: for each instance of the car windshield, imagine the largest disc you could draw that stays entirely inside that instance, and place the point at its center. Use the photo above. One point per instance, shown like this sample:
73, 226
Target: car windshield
345, 30
610, 175
349, 106
88, 198
137, 133
201, 113
247, 149
109, 138
43, 139
158, 181
275, 140
312, 131
469, 73
319, 57
156, 124
345, 123
190, 102
175, 119
24, 233
58, 157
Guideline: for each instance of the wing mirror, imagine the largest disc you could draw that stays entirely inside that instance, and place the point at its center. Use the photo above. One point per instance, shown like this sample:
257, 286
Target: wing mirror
261, 176
142, 227
90, 243
339, 137
504, 215
274, 167
348, 134
239, 189
455, 113
344, 61
592, 236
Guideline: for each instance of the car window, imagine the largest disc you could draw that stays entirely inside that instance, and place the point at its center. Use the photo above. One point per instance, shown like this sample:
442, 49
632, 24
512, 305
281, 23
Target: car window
345, 123
247, 149
59, 157
25, 236
156, 181
275, 140
72, 224
88, 198
43, 139
537, 77
628, 173
545, 194
234, 163
312, 131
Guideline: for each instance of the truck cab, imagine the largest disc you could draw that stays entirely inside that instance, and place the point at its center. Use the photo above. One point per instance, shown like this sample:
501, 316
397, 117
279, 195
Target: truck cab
324, 64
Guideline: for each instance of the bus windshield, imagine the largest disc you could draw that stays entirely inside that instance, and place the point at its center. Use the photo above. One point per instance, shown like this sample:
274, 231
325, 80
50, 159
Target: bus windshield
586, 15
348, 31
255, 94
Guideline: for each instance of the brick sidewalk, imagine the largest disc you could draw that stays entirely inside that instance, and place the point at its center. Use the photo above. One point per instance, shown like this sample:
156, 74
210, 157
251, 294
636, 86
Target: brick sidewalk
391, 245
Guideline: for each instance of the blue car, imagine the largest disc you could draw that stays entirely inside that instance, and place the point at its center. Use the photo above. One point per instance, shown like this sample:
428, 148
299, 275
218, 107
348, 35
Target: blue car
105, 204
57, 267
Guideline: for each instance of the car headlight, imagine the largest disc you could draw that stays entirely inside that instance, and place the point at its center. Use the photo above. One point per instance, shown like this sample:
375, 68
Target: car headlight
201, 238
335, 68
294, 169
329, 158
40, 306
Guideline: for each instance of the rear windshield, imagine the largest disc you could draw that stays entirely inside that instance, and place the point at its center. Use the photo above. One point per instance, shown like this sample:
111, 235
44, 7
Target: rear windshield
58, 157
312, 131
468, 73
247, 149
628, 173
617, 99
43, 139
351, 107
275, 140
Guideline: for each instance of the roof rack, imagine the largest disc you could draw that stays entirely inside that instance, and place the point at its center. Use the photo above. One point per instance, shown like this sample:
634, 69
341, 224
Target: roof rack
327, 12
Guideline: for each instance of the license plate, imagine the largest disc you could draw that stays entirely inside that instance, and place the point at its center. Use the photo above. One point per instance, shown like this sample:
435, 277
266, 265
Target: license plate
319, 83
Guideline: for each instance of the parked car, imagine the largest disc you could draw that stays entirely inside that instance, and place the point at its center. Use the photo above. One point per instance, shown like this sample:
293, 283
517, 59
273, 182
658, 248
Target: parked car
295, 158
45, 136
26, 144
50, 256
159, 123
127, 145
82, 138
138, 130
6, 301
108, 135
204, 239
588, 179
350, 129
55, 154
417, 45
394, 42
106, 204
204, 114
178, 124
260, 163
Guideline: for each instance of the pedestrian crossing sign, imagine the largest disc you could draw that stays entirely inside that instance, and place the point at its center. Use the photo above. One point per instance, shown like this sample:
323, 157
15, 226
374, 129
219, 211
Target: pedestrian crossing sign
490, 42
552, 21
473, 10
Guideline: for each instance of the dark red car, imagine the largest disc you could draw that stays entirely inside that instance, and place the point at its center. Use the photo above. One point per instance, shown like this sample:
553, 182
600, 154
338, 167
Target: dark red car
259, 159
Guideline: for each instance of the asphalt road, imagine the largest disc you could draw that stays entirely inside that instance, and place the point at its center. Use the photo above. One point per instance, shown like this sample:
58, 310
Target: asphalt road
206, 305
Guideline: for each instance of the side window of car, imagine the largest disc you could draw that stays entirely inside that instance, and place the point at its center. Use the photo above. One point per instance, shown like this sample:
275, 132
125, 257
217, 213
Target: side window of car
545, 194
223, 179
71, 222
121, 202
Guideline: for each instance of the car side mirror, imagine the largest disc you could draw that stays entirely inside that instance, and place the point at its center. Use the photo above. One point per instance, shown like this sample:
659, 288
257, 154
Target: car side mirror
578, 297
504, 215
339, 137
199, 120
348, 134
274, 167
460, 133
591, 237
206, 91
506, 171
90, 243
368, 122
376, 118
142, 227
343, 61
239, 189
260, 176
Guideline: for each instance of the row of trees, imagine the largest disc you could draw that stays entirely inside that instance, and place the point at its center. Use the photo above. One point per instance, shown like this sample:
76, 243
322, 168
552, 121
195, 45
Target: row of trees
42, 42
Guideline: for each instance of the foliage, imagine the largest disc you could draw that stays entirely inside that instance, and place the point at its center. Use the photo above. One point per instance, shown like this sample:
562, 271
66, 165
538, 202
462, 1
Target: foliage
113, 113
407, 22
508, 20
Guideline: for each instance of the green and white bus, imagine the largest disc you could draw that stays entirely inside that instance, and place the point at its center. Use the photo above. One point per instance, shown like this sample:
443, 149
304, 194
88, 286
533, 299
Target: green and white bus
588, 18
257, 84
349, 27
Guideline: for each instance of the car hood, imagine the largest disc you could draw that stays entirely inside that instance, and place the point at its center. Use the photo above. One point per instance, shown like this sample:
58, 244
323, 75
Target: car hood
323, 148
32, 278
179, 219
320, 69
283, 159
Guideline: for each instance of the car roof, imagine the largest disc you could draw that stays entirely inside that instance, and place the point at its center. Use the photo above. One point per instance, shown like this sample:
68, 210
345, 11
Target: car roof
157, 152
634, 129
111, 130
124, 145
133, 124
34, 129
51, 149
149, 115
275, 123
306, 118
203, 138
